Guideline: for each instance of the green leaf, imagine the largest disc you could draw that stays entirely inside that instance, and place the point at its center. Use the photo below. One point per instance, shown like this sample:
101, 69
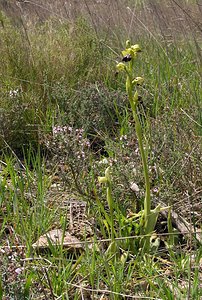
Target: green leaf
152, 219
1, 289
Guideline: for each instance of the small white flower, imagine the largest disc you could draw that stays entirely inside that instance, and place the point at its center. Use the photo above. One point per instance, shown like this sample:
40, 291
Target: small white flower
134, 187
18, 270
134, 171
104, 161
13, 93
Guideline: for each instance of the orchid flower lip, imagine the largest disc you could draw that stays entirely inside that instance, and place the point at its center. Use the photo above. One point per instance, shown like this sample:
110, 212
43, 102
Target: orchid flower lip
127, 58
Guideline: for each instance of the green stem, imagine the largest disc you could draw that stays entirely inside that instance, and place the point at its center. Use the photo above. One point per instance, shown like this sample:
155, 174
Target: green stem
147, 202
111, 208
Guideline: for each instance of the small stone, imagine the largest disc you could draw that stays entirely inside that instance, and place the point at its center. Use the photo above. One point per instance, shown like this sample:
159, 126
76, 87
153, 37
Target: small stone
57, 237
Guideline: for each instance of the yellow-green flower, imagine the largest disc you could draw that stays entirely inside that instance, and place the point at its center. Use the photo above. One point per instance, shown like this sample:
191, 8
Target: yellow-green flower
102, 179
128, 44
120, 66
138, 80
132, 51
129, 51
136, 48
106, 178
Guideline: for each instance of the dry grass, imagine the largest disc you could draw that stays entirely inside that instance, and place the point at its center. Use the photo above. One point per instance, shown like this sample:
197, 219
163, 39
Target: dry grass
167, 18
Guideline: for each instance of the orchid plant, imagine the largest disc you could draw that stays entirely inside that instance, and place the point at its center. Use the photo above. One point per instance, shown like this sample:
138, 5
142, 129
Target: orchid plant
147, 217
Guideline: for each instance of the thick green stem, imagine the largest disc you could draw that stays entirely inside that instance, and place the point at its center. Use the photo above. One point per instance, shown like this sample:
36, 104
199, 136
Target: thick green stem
147, 202
111, 208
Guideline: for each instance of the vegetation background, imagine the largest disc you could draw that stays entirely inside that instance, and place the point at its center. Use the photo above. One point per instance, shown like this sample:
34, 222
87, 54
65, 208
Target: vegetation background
64, 117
